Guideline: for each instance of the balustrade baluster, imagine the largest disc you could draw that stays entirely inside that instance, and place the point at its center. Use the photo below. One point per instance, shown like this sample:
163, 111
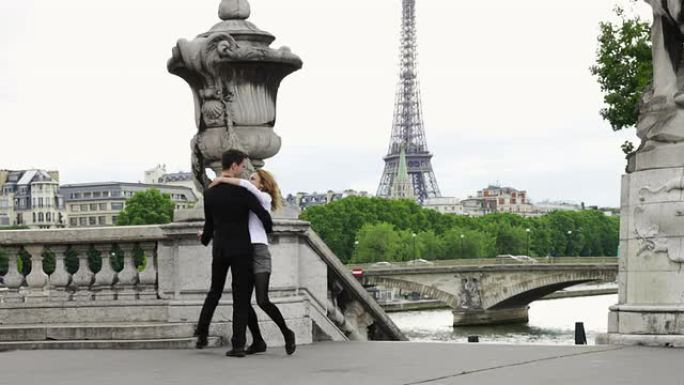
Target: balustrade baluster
147, 285
37, 279
13, 279
82, 279
127, 278
60, 278
105, 277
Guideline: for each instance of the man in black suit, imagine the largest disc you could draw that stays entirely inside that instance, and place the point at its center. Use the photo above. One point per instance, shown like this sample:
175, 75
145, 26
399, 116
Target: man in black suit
226, 212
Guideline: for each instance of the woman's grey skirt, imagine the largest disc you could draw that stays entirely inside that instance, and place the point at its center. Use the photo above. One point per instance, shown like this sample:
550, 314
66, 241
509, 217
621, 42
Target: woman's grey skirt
262, 259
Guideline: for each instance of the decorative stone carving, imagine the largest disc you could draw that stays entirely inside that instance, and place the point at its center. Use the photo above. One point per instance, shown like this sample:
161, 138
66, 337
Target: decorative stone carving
234, 76
661, 113
469, 295
656, 225
105, 277
13, 279
127, 278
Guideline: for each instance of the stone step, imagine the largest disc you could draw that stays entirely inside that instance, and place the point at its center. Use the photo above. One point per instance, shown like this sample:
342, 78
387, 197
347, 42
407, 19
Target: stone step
168, 343
58, 332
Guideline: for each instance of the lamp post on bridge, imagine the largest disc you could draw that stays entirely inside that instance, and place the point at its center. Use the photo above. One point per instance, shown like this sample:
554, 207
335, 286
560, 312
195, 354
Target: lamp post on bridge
413, 235
569, 241
462, 236
527, 231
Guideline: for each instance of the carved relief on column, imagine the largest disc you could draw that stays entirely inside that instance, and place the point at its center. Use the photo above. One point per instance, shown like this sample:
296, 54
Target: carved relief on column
104, 278
83, 278
127, 278
60, 278
659, 220
37, 279
147, 285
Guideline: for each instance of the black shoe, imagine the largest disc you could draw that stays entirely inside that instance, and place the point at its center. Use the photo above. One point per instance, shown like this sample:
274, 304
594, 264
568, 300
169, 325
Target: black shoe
236, 352
290, 344
256, 347
201, 341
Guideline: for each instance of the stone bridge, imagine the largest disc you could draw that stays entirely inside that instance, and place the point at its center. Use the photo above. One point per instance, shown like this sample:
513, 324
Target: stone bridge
490, 294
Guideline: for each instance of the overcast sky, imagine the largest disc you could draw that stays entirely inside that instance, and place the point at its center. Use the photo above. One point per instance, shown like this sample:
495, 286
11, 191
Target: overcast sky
507, 94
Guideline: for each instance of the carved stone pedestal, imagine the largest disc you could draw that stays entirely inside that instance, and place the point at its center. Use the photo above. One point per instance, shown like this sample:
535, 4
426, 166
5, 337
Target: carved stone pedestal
650, 310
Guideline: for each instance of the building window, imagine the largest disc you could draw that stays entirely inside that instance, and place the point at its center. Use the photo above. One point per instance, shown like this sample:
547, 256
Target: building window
101, 220
76, 195
75, 208
34, 217
117, 206
92, 221
83, 221
103, 206
41, 218
96, 194
105, 194
48, 217
84, 207
114, 219
86, 195
73, 221
93, 207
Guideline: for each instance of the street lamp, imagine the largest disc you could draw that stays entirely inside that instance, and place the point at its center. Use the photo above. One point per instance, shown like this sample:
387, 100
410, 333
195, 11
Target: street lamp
569, 242
528, 241
413, 235
462, 236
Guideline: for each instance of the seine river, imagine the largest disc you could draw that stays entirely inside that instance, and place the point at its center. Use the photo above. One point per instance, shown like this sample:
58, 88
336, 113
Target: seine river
551, 322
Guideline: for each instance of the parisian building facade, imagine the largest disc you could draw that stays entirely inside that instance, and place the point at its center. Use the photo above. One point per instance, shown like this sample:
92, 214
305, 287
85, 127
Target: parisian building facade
99, 204
31, 198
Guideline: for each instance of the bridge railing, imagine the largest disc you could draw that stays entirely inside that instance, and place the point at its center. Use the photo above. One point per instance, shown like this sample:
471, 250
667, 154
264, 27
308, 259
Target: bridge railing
483, 261
92, 255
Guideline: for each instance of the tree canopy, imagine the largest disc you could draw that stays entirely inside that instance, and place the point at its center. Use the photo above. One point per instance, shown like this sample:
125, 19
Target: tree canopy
623, 67
361, 229
147, 207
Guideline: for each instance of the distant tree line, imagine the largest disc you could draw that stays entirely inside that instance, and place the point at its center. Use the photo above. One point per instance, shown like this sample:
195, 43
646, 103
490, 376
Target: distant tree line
362, 229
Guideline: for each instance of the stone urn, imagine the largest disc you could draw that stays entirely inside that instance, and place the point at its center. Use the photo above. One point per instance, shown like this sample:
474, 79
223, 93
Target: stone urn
234, 76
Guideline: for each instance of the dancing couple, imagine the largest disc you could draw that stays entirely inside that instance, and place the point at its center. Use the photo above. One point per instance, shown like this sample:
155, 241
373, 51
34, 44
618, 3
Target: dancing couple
237, 218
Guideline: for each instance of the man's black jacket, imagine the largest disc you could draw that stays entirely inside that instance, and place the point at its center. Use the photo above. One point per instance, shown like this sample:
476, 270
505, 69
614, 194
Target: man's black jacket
226, 213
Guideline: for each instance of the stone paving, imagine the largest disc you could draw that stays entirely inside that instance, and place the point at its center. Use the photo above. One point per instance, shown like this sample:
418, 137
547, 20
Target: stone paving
377, 363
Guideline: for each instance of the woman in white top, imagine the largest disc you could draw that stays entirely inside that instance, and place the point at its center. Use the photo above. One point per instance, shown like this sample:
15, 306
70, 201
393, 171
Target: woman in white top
265, 188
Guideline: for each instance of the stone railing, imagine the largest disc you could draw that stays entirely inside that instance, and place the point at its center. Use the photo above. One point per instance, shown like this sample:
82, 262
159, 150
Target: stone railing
161, 274
84, 247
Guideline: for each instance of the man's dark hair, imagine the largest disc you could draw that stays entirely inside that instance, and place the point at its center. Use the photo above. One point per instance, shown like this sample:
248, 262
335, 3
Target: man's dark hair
232, 156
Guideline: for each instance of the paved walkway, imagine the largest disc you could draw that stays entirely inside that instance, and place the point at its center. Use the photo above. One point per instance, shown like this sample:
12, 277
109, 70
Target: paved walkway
373, 363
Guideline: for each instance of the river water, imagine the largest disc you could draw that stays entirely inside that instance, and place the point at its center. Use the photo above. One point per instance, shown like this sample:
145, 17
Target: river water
551, 322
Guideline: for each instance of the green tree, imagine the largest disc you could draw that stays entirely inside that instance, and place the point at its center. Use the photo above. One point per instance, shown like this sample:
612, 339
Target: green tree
147, 208
376, 242
429, 245
623, 67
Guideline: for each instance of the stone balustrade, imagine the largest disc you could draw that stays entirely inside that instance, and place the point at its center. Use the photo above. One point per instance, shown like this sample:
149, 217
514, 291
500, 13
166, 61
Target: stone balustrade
90, 255
159, 275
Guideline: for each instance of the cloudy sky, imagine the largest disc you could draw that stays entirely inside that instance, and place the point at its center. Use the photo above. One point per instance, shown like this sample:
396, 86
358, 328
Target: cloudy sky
507, 94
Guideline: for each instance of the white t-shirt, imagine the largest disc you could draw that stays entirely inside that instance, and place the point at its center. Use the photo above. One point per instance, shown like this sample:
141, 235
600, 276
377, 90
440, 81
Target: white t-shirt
256, 229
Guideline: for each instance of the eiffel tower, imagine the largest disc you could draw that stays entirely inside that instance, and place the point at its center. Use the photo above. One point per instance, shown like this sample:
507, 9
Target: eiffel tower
407, 126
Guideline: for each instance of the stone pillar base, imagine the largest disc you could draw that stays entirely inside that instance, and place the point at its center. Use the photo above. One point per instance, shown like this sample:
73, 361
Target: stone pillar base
649, 325
490, 317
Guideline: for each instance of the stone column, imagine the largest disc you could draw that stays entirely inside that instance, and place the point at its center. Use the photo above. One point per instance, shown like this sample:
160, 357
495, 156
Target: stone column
104, 278
60, 278
127, 278
650, 309
13, 279
37, 279
83, 278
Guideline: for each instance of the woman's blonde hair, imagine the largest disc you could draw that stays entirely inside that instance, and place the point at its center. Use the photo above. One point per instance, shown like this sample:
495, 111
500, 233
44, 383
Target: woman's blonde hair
270, 186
